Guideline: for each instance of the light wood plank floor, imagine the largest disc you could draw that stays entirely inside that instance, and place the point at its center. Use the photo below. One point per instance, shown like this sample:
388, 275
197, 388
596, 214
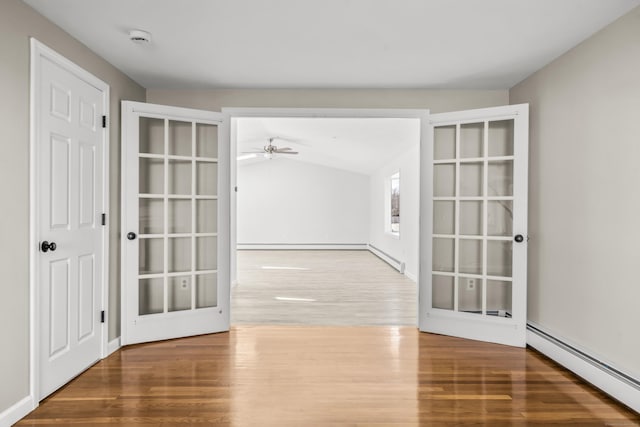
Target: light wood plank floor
321, 288
327, 376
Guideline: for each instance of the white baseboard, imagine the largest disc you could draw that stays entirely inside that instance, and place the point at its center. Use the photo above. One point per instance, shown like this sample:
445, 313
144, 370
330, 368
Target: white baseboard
411, 276
585, 366
113, 346
299, 246
398, 265
16, 412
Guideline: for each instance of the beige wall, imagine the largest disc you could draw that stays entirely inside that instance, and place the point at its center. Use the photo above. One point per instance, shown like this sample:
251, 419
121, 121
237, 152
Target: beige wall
584, 203
436, 100
17, 23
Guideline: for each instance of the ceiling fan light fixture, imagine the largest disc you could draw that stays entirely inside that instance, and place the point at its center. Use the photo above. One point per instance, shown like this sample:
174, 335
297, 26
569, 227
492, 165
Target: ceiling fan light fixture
140, 36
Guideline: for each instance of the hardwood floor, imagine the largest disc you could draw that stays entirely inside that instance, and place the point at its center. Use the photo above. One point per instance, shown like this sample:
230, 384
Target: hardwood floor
321, 288
327, 376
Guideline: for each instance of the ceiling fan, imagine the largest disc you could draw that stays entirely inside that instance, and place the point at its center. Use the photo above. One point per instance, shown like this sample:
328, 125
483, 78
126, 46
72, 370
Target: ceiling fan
269, 150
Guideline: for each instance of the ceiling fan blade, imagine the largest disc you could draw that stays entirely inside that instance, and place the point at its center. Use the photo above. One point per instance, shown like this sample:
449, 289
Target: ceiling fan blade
252, 152
284, 148
286, 152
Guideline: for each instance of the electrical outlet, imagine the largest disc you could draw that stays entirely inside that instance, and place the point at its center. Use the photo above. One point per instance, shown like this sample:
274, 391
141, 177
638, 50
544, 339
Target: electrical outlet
184, 283
471, 284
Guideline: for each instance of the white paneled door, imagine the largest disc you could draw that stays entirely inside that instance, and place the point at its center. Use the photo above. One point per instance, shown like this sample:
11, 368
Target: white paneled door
473, 268
175, 222
70, 141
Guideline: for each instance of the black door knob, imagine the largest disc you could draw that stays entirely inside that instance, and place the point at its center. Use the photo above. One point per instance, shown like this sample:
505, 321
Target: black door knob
46, 246
131, 235
519, 238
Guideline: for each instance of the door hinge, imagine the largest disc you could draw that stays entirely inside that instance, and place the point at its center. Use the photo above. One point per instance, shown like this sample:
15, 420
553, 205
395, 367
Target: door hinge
104, 121
236, 189
102, 316
104, 219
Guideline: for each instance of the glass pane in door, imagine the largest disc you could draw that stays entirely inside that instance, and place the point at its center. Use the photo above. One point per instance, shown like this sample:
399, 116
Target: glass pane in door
473, 218
151, 176
179, 293
206, 140
150, 296
151, 137
501, 138
442, 292
180, 139
178, 214
207, 290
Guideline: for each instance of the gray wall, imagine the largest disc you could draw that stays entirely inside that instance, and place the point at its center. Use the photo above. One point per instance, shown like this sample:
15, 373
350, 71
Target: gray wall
584, 200
17, 23
436, 100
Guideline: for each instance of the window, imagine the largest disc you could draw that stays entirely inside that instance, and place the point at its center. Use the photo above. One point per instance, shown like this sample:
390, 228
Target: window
395, 204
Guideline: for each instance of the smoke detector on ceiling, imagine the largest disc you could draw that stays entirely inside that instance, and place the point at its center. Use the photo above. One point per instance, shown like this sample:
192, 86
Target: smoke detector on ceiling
139, 36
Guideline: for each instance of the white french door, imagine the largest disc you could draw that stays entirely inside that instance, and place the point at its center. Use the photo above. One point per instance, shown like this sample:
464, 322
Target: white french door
473, 278
175, 222
69, 173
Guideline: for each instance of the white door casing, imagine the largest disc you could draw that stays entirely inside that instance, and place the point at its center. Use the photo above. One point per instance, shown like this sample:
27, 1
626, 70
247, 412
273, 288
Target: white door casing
473, 242
69, 171
175, 222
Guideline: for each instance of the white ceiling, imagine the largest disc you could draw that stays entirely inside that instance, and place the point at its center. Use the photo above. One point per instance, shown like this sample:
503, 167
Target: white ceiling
198, 44
358, 144
332, 43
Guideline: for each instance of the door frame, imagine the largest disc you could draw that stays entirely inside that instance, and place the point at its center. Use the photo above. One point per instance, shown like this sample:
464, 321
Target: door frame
233, 113
38, 52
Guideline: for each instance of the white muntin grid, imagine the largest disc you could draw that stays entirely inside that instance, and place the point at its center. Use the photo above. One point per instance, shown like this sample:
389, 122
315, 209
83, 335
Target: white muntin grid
194, 197
485, 160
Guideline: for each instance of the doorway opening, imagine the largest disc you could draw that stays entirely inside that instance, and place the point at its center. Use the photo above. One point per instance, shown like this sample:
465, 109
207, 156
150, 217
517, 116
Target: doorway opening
310, 240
